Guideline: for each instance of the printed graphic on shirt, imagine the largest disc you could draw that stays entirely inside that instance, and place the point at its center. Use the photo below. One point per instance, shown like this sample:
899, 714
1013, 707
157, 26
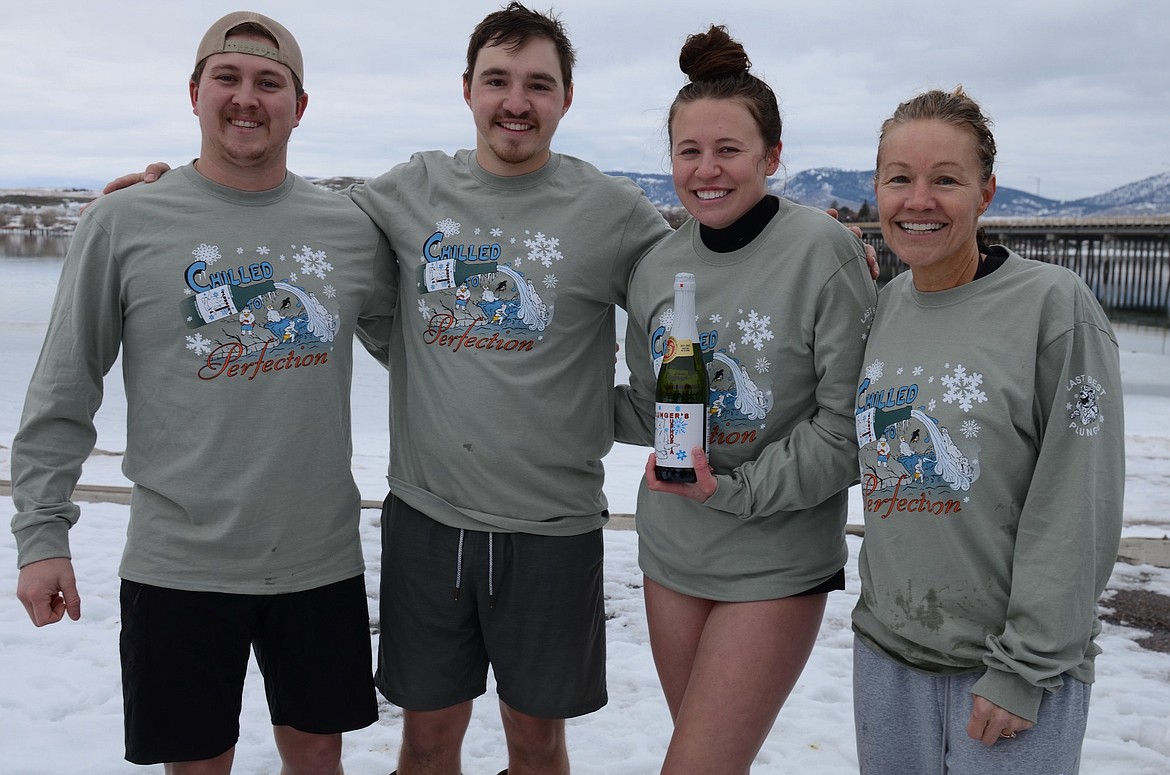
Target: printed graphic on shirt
257, 316
739, 406
486, 289
1084, 410
911, 462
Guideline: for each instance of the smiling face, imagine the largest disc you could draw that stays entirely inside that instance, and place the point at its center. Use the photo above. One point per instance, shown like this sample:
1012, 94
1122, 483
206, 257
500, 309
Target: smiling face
719, 160
247, 107
517, 99
930, 194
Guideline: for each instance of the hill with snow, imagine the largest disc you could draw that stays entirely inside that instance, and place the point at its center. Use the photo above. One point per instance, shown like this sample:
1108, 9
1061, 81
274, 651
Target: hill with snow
824, 186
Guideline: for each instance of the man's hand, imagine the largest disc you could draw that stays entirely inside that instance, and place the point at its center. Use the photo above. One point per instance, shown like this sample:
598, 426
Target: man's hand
153, 172
48, 591
699, 490
990, 723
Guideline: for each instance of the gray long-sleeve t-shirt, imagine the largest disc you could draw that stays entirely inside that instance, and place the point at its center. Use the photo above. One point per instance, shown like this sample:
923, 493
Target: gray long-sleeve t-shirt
502, 355
782, 322
989, 418
238, 431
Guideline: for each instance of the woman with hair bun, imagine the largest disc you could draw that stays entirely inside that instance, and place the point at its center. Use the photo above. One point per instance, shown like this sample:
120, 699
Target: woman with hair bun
991, 533
738, 565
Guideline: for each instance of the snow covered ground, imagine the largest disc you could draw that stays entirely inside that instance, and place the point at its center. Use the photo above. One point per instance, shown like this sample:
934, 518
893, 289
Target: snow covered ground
60, 697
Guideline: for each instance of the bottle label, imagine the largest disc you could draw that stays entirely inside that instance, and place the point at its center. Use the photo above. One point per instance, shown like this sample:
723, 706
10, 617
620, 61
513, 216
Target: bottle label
215, 303
439, 275
678, 429
677, 348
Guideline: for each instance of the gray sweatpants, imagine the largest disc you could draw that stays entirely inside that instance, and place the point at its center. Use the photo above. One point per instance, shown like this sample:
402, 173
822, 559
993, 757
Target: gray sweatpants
911, 723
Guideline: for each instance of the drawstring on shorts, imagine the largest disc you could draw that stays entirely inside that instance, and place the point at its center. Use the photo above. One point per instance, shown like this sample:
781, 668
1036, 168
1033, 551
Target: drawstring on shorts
459, 566
491, 567
491, 571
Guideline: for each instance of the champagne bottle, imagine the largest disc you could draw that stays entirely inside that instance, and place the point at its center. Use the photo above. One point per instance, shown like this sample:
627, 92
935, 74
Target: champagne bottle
221, 301
682, 395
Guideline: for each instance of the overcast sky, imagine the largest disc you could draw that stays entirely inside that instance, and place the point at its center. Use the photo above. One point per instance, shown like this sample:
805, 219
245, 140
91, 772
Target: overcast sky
1079, 89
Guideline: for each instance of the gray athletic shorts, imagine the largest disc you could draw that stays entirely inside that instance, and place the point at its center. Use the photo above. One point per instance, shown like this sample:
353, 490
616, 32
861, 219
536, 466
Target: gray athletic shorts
454, 601
912, 722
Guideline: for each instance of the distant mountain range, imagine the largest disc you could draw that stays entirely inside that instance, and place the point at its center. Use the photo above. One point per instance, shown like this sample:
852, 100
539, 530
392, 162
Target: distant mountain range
823, 186
819, 188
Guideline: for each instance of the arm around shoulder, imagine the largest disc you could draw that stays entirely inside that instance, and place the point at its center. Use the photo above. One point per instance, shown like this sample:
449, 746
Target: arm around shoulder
152, 173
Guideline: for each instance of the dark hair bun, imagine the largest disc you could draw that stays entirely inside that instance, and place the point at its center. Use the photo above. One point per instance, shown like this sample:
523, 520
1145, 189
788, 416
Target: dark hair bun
713, 54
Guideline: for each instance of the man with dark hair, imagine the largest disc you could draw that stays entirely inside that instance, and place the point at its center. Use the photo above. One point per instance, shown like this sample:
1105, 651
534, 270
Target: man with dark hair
512, 259
225, 551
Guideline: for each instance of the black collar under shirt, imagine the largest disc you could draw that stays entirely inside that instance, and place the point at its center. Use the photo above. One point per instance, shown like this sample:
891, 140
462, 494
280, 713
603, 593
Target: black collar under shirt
745, 229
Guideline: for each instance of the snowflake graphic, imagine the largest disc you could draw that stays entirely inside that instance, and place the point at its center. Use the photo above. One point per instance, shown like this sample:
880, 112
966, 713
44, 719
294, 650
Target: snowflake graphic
543, 249
512, 241
477, 231
292, 277
716, 318
679, 428
424, 309
517, 262
448, 227
198, 345
187, 291
756, 330
550, 281
263, 250
917, 371
731, 347
681, 455
208, 254
875, 370
763, 365
282, 257
239, 251
932, 405
313, 262
666, 319
496, 231
329, 291
899, 371
970, 428
963, 388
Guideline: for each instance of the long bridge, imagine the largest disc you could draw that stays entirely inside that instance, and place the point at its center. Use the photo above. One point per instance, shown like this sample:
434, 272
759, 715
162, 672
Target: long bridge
1124, 260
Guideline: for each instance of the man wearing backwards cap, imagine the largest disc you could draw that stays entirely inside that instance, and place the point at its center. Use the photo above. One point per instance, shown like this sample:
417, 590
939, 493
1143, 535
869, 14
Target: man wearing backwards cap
243, 527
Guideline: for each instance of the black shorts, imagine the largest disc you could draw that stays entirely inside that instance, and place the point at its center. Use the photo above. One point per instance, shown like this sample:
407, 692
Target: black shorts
185, 654
831, 584
454, 601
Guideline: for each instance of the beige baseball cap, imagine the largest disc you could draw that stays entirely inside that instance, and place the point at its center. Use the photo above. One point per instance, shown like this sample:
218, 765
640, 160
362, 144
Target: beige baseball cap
287, 52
